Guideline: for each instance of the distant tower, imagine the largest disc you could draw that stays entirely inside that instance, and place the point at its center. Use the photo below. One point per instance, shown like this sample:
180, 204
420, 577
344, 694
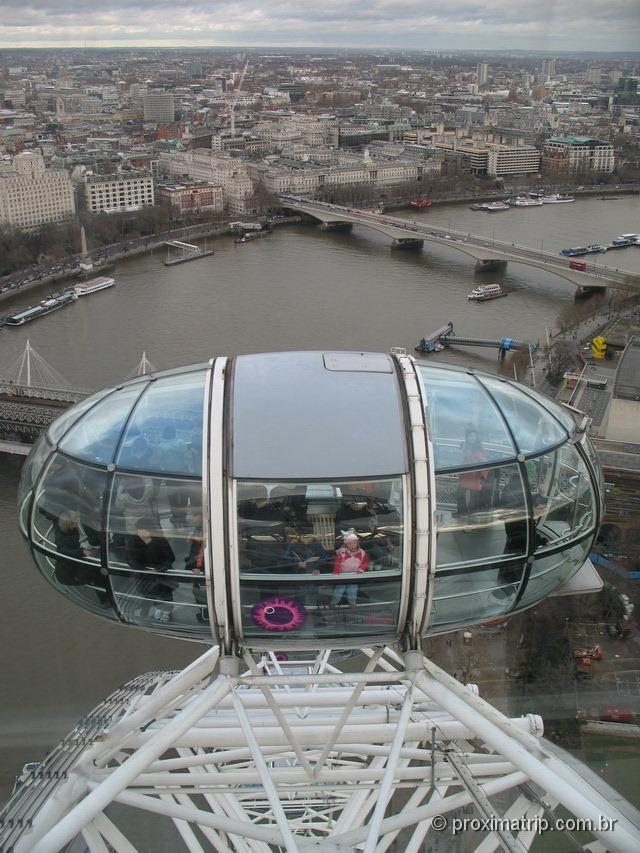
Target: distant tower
482, 73
548, 68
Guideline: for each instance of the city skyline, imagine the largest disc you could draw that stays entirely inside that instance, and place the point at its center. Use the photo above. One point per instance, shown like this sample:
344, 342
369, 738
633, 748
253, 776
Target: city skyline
392, 24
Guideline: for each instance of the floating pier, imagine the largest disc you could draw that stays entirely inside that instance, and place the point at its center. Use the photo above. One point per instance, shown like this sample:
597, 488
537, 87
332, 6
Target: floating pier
437, 340
434, 342
190, 252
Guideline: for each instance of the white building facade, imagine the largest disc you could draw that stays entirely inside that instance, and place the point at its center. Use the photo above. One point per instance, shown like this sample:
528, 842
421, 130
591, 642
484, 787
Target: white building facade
512, 160
32, 195
112, 193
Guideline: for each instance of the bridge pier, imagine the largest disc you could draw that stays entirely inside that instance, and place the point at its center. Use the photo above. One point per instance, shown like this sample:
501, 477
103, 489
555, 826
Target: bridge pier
490, 265
583, 292
336, 226
409, 243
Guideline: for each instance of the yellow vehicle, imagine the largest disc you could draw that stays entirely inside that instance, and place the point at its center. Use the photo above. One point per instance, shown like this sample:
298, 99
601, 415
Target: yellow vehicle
599, 347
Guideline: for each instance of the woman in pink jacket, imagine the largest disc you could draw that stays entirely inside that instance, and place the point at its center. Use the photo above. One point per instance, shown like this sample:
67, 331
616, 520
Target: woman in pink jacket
351, 559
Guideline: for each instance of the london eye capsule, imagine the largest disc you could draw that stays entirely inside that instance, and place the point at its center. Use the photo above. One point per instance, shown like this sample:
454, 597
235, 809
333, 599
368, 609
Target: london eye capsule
300, 500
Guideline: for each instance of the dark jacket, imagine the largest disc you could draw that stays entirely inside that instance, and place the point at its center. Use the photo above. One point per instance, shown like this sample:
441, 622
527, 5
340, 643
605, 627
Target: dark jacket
68, 572
68, 545
156, 554
299, 552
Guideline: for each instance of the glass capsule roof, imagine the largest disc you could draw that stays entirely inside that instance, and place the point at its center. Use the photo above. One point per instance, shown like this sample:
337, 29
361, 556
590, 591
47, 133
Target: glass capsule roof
508, 420
138, 426
141, 426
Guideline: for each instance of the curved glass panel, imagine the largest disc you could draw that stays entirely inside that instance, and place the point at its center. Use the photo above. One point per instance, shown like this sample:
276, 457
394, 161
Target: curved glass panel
162, 601
165, 431
58, 428
67, 511
592, 454
154, 523
83, 584
548, 573
155, 549
95, 437
465, 425
30, 472
561, 413
465, 597
564, 503
481, 515
327, 554
532, 426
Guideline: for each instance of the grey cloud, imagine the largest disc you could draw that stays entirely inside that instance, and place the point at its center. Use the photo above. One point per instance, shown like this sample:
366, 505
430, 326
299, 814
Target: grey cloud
395, 23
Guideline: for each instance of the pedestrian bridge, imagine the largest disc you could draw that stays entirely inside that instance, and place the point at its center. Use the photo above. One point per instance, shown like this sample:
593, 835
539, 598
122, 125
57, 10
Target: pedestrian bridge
487, 253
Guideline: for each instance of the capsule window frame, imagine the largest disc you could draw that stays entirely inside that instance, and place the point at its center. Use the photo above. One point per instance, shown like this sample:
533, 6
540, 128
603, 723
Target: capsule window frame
234, 580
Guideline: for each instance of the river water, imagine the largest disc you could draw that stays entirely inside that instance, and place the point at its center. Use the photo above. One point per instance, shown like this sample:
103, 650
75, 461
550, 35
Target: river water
300, 288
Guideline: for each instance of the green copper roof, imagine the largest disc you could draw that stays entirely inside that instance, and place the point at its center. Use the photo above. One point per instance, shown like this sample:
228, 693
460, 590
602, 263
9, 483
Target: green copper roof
577, 140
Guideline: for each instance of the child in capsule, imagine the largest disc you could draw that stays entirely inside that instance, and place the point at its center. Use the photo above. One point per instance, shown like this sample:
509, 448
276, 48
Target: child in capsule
350, 559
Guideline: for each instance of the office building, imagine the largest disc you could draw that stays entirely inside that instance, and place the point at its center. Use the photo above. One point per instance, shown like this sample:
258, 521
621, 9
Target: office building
159, 107
512, 160
482, 73
576, 154
32, 195
111, 193
548, 68
191, 195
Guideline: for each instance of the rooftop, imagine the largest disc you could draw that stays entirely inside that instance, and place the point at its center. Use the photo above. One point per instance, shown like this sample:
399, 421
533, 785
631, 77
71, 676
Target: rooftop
627, 381
577, 140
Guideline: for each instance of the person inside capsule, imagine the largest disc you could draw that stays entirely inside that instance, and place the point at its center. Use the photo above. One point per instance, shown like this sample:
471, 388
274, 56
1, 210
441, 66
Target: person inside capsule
295, 542
351, 559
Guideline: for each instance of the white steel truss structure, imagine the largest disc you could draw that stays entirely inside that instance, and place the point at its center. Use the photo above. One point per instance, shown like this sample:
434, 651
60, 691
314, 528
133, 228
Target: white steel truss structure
258, 754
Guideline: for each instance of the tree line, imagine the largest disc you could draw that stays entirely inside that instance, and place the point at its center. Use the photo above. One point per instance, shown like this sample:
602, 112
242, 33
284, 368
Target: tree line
20, 249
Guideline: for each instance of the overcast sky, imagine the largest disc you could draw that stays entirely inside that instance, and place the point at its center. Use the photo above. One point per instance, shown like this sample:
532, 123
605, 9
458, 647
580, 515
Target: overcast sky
555, 25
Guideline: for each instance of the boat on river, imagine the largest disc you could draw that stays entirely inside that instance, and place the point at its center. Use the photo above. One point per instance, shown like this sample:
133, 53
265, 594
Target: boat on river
526, 201
420, 203
252, 235
52, 303
84, 288
557, 198
495, 206
486, 292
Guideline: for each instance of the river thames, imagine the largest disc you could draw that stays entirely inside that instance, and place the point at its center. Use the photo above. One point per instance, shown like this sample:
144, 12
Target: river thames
300, 288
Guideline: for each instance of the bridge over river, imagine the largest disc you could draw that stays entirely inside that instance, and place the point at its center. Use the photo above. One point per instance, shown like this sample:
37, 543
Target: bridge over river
32, 395
488, 254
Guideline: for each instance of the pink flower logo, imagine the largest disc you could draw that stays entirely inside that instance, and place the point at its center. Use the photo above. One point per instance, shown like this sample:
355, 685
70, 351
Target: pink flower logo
279, 614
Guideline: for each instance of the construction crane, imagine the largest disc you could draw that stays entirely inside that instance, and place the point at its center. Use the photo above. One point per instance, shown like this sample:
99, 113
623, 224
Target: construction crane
235, 99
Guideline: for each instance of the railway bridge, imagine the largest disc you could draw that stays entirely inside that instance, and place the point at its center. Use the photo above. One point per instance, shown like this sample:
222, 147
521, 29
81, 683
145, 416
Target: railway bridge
26, 411
32, 395
488, 254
